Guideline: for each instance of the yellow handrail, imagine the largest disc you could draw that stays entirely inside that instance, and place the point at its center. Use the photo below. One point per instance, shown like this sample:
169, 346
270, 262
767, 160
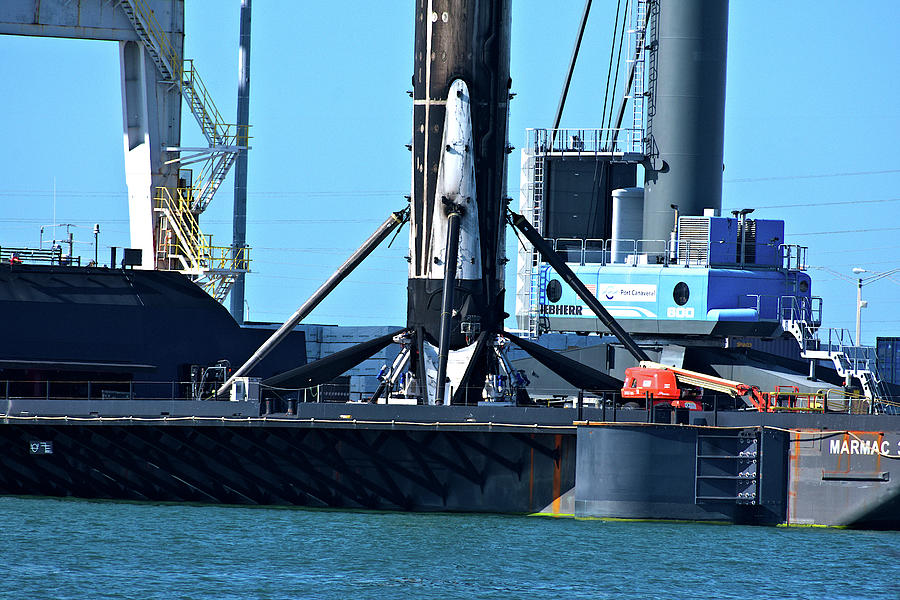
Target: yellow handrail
794, 399
201, 251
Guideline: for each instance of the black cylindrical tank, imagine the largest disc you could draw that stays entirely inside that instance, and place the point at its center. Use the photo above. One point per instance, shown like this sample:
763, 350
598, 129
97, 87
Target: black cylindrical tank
468, 40
686, 113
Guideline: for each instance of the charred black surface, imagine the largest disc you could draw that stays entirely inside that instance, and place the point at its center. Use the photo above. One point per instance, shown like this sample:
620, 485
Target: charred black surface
469, 302
468, 40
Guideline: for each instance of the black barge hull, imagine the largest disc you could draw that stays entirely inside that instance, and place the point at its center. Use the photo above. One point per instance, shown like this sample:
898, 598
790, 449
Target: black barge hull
326, 457
736, 467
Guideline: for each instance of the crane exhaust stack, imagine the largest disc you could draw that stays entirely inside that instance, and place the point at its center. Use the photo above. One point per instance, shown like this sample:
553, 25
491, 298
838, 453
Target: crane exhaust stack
686, 115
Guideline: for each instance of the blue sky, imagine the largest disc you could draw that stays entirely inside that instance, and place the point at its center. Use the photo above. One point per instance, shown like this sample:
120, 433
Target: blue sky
812, 123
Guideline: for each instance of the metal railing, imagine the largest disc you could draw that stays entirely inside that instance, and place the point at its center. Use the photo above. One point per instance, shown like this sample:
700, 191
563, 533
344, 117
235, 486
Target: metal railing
831, 400
154, 390
224, 139
226, 258
683, 252
632, 252
587, 142
839, 400
802, 317
793, 257
37, 256
823, 400
94, 390
767, 306
784, 307
185, 76
802, 309
182, 238
218, 132
791, 399
189, 242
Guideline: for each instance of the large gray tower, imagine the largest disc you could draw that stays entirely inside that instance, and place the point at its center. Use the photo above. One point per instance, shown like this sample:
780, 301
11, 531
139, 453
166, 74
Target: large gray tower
686, 113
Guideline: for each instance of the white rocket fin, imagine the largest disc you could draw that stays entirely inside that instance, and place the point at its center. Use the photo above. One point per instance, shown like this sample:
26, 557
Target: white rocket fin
457, 363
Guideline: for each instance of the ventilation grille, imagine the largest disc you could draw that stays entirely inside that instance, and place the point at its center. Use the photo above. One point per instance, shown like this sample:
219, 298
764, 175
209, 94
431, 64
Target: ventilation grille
750, 246
693, 239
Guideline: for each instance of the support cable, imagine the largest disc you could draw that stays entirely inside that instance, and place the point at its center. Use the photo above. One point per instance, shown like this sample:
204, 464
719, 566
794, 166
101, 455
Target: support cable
609, 69
608, 125
612, 68
565, 90
630, 81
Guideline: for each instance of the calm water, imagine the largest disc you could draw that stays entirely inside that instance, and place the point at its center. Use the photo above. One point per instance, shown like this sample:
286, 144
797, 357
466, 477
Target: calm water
80, 549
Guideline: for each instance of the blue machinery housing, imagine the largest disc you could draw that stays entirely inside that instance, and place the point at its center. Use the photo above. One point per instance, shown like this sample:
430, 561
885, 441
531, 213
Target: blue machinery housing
705, 281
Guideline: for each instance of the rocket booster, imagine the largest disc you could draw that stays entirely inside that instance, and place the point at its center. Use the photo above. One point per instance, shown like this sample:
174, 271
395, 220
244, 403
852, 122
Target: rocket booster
461, 94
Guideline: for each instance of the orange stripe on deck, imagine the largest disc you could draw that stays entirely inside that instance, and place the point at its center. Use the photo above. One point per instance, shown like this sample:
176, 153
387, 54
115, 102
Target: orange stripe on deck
794, 459
880, 443
557, 476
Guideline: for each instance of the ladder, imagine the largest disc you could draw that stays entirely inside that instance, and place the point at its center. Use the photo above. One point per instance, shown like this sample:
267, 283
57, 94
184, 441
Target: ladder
537, 218
638, 34
212, 176
179, 235
217, 286
728, 466
169, 253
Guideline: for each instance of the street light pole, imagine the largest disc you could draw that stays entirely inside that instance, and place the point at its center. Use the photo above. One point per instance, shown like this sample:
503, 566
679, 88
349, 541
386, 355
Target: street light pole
860, 303
96, 239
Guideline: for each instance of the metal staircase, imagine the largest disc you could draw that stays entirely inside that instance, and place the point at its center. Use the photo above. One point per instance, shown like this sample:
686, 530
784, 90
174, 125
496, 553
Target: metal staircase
214, 172
851, 360
225, 141
180, 245
218, 288
153, 36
